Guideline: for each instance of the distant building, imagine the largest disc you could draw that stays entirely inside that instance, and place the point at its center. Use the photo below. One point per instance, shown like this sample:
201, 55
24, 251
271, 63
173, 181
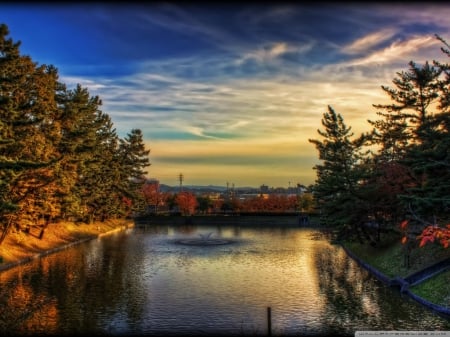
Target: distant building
264, 188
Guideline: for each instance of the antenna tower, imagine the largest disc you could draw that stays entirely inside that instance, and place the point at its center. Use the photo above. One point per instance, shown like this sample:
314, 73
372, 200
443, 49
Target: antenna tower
180, 177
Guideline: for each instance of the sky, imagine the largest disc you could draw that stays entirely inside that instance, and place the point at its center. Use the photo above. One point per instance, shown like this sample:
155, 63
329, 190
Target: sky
231, 93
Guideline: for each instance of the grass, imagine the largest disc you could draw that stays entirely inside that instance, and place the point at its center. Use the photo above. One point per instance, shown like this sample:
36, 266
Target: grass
435, 289
19, 245
388, 258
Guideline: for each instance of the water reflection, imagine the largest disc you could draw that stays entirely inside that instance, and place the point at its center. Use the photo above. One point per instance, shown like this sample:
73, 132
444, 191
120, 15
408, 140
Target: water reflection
143, 282
357, 301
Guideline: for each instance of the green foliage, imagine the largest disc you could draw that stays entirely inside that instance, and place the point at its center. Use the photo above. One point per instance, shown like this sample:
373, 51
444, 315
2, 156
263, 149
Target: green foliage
409, 175
60, 155
342, 169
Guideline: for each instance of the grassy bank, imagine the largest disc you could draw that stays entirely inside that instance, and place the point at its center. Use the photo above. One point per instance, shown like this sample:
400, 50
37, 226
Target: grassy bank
435, 289
19, 246
389, 259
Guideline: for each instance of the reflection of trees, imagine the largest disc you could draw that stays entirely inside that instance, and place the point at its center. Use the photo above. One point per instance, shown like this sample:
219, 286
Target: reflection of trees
92, 296
74, 292
357, 301
23, 310
346, 288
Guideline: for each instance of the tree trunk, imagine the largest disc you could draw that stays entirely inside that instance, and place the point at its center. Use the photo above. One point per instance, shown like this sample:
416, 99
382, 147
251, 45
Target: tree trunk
5, 230
44, 227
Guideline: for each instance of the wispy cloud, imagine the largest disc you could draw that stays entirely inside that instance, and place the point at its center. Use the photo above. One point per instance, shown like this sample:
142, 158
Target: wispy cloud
235, 95
398, 50
368, 42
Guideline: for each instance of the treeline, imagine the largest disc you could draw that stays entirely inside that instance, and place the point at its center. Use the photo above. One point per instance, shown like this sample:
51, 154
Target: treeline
60, 155
399, 172
187, 203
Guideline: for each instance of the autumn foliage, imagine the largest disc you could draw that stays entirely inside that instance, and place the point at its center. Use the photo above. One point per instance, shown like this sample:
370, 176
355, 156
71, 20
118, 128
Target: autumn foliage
429, 234
187, 202
434, 233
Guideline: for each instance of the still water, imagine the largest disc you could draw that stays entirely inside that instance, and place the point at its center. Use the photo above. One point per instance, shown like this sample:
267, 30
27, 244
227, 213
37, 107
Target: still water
151, 282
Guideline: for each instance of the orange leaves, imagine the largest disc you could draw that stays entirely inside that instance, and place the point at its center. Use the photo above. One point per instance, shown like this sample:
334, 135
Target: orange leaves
429, 234
432, 233
403, 227
403, 224
187, 202
425, 240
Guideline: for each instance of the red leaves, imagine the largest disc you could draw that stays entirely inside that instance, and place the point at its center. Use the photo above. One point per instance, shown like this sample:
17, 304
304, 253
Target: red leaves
429, 234
187, 202
403, 224
403, 227
432, 233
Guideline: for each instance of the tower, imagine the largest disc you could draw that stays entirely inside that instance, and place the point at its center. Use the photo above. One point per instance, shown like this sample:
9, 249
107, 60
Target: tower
180, 177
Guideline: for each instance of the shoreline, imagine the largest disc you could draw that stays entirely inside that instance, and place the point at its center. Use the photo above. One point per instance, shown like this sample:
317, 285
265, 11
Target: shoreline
123, 225
401, 283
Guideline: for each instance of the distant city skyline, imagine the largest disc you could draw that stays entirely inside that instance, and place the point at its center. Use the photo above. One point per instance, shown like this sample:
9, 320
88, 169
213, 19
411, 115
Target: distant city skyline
226, 92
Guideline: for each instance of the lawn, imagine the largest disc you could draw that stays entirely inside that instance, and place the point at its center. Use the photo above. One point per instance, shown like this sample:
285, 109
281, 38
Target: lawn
388, 258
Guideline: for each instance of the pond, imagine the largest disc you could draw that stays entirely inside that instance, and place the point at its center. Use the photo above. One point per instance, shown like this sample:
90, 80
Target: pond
206, 280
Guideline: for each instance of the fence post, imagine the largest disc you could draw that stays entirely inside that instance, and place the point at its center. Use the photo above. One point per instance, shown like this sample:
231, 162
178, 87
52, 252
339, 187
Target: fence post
269, 321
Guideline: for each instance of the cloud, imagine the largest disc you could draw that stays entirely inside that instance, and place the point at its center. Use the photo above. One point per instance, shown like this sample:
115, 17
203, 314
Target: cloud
243, 103
267, 53
366, 43
398, 50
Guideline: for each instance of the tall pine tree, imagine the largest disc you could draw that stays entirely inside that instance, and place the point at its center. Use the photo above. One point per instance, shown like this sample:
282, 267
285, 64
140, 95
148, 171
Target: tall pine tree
340, 174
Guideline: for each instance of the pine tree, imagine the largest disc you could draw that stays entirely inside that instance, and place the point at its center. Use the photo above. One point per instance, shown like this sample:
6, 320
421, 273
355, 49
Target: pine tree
414, 134
339, 176
28, 134
134, 159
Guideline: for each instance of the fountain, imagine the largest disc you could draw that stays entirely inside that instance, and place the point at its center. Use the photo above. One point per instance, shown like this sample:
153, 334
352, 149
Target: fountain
204, 240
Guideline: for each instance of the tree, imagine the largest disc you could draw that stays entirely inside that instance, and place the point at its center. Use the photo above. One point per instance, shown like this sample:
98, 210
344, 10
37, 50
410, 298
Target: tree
89, 144
306, 202
187, 202
414, 133
152, 195
133, 160
204, 204
28, 136
340, 173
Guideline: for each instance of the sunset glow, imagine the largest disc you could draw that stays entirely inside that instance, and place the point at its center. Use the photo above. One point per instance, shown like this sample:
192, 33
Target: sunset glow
229, 93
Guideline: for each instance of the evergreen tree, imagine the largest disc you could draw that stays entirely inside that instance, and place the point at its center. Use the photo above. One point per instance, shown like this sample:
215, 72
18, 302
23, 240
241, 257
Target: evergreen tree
28, 134
341, 172
134, 159
59, 153
414, 134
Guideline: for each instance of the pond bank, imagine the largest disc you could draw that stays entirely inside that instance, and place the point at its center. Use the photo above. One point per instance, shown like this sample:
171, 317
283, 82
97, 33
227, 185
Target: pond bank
404, 283
20, 248
58, 238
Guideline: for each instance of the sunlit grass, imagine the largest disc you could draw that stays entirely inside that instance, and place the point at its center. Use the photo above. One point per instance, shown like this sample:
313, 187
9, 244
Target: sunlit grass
20, 245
